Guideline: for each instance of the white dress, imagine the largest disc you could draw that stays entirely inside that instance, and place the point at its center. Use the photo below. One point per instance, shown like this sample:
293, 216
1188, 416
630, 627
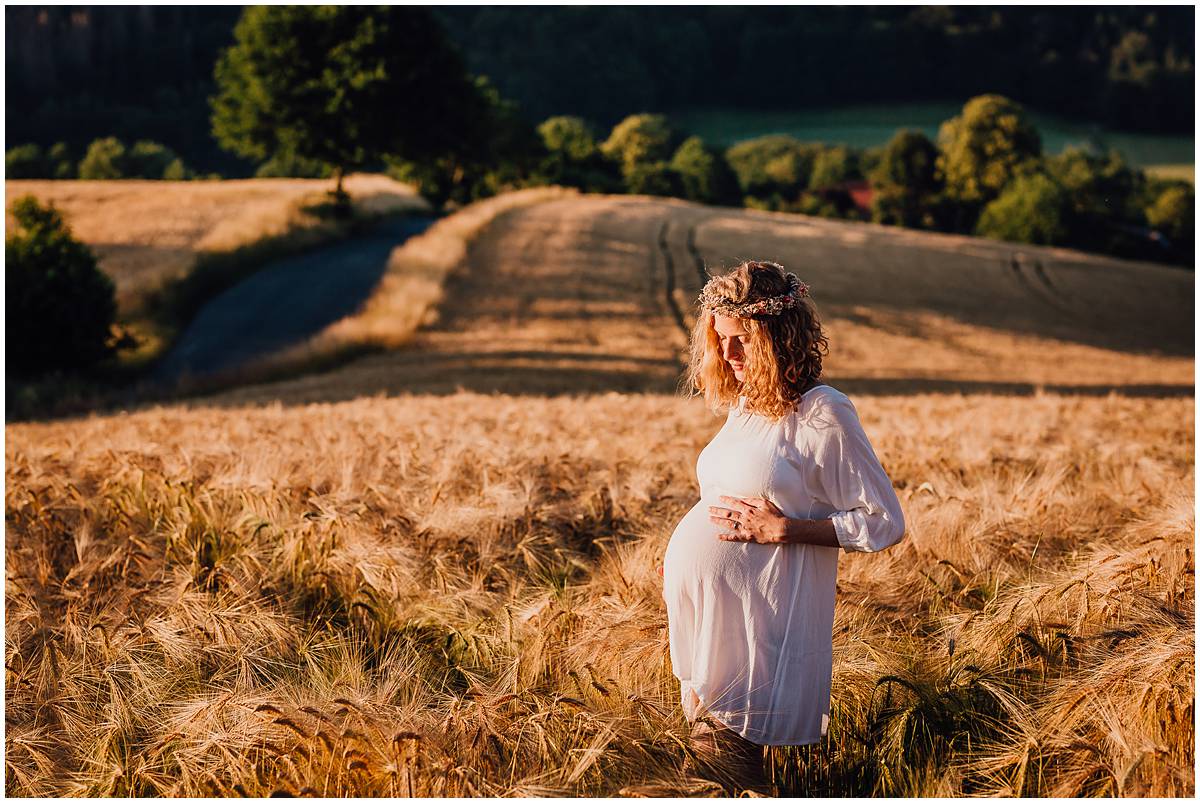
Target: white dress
751, 625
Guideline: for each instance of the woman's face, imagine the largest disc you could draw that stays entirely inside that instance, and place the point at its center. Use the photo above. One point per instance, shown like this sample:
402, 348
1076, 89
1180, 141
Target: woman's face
734, 340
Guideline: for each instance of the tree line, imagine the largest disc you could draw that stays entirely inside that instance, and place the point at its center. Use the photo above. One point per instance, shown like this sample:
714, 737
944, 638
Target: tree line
1128, 67
80, 73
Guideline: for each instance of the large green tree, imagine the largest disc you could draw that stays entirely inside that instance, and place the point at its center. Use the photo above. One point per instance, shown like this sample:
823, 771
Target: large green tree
342, 85
985, 147
905, 181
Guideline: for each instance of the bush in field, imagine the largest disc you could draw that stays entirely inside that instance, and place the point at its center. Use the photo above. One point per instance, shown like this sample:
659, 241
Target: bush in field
108, 158
706, 176
59, 307
344, 85
29, 161
24, 161
776, 164
1173, 214
639, 140
573, 159
286, 164
1100, 189
568, 138
105, 159
834, 167
148, 159
654, 178
819, 205
983, 149
869, 159
905, 181
1033, 209
60, 163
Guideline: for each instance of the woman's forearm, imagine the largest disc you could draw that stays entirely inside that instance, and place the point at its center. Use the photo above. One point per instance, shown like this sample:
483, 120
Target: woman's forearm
818, 532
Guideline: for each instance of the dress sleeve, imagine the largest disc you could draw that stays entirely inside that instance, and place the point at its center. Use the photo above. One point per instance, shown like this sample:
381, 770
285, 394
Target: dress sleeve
867, 515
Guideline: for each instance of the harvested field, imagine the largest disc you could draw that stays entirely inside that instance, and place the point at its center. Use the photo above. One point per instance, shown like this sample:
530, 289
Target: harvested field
593, 294
146, 233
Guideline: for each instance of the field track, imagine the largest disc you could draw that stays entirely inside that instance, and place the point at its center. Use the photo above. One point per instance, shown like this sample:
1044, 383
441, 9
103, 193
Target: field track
595, 294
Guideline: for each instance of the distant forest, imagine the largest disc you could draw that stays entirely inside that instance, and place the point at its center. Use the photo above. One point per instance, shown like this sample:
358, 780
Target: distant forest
78, 73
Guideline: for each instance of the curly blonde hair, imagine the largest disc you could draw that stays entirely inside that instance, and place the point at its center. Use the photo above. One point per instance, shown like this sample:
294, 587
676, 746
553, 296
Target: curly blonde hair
784, 353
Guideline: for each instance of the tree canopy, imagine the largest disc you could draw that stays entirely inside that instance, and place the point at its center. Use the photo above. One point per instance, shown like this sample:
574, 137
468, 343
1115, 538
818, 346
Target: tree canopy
639, 140
342, 85
985, 147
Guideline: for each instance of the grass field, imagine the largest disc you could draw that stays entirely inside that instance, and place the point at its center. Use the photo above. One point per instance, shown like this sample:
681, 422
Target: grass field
431, 572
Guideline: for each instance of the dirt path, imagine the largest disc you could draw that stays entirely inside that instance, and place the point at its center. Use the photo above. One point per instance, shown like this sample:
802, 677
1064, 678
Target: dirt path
285, 302
594, 294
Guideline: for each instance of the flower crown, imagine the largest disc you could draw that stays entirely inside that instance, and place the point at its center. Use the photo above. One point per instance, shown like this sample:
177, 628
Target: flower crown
767, 306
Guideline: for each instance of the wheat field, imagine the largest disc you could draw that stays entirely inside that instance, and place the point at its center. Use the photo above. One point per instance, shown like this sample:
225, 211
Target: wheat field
431, 572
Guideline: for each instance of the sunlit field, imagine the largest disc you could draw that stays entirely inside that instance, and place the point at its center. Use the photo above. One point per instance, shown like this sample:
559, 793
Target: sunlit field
432, 571
147, 233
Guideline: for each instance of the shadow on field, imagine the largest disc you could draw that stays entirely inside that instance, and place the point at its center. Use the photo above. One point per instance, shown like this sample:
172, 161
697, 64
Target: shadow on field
468, 373
916, 387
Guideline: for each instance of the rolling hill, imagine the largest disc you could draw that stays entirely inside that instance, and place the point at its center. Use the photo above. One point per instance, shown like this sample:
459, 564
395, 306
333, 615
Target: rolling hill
595, 293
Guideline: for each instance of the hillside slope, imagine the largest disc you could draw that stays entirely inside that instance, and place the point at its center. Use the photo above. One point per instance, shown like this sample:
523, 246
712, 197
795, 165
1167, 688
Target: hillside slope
145, 233
595, 293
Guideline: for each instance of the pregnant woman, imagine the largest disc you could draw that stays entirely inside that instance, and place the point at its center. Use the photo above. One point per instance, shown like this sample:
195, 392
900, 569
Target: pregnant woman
790, 480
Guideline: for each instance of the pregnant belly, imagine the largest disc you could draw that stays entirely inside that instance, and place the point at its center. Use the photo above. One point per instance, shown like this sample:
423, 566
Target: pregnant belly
695, 553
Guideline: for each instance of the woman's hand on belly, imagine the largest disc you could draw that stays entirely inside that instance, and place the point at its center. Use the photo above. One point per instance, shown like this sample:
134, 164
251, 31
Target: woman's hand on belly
752, 519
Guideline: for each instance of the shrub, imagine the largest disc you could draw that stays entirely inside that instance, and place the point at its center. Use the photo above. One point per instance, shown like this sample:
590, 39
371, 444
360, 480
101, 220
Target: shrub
148, 159
176, 171
705, 174
1101, 189
286, 164
108, 158
1173, 214
1032, 210
812, 203
834, 167
59, 306
639, 140
105, 159
569, 138
25, 161
572, 158
773, 164
60, 161
905, 181
654, 178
